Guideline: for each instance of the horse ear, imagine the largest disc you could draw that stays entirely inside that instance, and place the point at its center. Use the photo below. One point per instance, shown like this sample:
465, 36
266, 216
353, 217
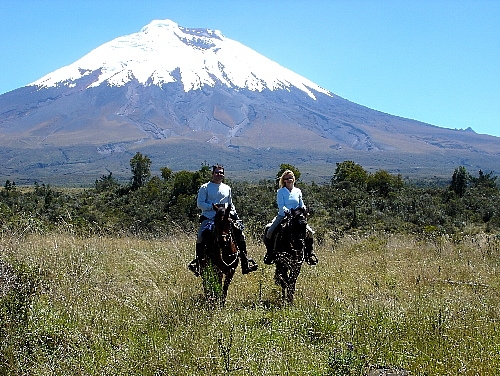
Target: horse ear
214, 206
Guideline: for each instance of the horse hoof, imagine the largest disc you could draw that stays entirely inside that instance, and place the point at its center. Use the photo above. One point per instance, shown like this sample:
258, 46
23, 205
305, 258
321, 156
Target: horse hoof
268, 260
194, 268
312, 260
250, 268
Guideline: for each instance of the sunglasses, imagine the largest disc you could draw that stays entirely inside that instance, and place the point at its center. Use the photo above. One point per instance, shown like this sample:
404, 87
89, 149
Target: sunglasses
288, 179
219, 172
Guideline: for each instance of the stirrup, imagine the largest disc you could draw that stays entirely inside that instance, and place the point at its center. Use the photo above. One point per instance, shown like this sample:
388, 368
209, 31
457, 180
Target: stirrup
312, 259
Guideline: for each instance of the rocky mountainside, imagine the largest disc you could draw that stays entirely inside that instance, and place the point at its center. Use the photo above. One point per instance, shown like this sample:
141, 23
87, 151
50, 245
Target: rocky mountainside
185, 96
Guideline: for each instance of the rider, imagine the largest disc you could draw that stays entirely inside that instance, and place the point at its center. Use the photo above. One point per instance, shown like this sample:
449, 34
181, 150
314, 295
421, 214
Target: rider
216, 192
288, 197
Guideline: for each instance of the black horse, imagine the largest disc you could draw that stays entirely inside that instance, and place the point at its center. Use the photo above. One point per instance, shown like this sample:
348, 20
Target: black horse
289, 251
221, 256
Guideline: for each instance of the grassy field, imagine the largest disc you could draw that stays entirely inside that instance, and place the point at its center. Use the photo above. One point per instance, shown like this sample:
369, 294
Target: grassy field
125, 306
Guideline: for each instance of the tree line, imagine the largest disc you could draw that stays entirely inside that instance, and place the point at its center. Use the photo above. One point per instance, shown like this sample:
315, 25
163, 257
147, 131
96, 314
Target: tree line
354, 200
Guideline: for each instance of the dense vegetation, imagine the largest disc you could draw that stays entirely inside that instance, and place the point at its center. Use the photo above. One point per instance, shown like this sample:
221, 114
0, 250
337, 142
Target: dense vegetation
158, 206
93, 281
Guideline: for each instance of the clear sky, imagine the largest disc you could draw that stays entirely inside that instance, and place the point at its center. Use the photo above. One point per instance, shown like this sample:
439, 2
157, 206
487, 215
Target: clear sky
437, 61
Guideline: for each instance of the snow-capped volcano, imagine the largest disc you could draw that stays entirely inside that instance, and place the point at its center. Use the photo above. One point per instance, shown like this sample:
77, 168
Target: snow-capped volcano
164, 52
184, 95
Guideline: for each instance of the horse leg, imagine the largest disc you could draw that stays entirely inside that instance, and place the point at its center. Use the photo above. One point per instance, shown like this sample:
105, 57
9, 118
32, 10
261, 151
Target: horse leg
204, 273
280, 275
294, 275
290, 286
290, 291
281, 278
212, 282
227, 281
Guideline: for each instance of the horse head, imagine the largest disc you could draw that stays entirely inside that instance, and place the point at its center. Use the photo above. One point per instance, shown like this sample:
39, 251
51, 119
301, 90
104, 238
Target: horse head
222, 225
298, 227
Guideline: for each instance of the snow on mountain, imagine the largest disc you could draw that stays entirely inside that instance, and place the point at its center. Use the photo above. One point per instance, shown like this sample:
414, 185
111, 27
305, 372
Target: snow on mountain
163, 50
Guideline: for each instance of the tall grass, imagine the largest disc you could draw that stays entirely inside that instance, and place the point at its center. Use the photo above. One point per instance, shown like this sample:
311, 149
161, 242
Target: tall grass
126, 306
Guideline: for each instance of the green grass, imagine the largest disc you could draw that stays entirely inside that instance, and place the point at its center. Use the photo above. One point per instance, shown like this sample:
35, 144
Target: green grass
125, 306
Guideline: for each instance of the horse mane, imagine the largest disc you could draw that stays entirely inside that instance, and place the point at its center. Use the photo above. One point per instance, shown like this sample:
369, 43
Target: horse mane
293, 214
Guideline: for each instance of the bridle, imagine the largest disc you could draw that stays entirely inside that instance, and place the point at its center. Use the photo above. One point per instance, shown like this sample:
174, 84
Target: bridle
224, 236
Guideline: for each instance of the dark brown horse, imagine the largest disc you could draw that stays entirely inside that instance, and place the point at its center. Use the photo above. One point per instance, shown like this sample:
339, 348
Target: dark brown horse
289, 239
221, 256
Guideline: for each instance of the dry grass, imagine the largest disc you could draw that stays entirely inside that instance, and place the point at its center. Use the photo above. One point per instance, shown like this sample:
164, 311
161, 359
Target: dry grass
124, 306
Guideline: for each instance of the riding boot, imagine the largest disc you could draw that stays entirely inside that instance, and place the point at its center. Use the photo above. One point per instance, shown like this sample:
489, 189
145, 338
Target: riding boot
310, 256
247, 264
269, 256
194, 265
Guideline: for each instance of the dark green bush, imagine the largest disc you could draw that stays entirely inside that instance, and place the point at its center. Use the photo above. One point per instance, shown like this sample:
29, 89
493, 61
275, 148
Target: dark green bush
355, 200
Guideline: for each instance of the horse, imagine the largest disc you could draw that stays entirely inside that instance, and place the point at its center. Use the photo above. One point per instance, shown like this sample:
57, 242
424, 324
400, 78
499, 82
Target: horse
221, 257
289, 239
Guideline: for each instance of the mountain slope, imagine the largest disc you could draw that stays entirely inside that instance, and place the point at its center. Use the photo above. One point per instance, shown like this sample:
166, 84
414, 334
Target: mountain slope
183, 96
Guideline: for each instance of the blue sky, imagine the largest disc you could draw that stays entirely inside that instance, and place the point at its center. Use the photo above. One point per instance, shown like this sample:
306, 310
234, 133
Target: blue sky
436, 61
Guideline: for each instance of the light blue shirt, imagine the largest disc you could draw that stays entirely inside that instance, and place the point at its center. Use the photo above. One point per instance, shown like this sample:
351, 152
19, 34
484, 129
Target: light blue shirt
288, 199
212, 193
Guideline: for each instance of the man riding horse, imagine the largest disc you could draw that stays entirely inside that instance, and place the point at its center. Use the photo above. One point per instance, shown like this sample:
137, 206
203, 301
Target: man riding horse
215, 192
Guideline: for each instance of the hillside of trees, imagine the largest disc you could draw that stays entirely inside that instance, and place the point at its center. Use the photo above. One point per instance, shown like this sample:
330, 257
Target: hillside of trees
355, 200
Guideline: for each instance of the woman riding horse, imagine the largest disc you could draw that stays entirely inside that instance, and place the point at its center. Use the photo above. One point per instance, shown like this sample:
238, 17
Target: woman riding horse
288, 197
290, 251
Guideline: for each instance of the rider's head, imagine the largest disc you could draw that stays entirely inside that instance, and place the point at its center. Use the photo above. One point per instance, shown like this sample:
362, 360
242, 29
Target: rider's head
287, 174
217, 173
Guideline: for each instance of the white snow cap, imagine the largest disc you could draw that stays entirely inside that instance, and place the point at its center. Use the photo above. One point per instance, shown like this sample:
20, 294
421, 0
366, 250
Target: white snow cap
163, 50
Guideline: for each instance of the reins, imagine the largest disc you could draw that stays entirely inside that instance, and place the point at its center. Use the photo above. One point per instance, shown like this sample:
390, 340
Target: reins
231, 243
